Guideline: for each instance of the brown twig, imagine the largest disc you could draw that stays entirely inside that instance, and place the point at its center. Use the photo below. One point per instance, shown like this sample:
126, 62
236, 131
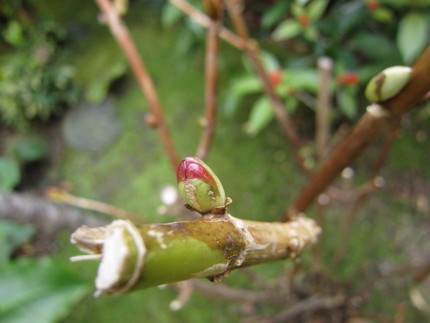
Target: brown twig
322, 134
61, 196
235, 8
214, 9
124, 39
221, 291
322, 118
364, 192
348, 222
203, 20
376, 120
309, 305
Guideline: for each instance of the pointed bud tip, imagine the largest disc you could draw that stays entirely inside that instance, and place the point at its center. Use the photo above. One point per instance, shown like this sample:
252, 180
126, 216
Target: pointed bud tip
193, 168
199, 186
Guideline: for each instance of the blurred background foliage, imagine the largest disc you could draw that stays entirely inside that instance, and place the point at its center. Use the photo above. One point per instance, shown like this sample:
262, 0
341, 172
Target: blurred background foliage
60, 69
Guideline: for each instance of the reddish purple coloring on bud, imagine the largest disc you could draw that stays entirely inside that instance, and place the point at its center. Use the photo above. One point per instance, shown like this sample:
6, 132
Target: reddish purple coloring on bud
190, 168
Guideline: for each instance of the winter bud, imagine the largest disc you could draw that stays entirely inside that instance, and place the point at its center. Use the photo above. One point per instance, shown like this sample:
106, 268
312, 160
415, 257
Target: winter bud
388, 83
199, 186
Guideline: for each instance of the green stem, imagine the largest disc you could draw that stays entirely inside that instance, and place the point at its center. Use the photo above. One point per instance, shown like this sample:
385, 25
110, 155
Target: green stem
139, 256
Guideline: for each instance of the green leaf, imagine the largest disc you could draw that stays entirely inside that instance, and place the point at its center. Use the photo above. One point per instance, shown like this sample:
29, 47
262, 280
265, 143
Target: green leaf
240, 87
297, 9
311, 33
316, 9
302, 79
261, 115
37, 291
286, 30
412, 36
11, 237
14, 34
29, 149
274, 14
383, 15
10, 174
347, 102
377, 47
246, 85
291, 104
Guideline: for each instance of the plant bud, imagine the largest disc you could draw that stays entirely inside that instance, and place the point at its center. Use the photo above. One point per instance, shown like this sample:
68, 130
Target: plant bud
199, 186
388, 83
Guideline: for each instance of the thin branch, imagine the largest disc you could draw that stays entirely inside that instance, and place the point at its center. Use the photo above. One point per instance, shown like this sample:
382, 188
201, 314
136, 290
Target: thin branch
224, 292
203, 20
211, 80
322, 135
310, 305
62, 196
139, 256
124, 39
47, 217
235, 8
325, 65
377, 119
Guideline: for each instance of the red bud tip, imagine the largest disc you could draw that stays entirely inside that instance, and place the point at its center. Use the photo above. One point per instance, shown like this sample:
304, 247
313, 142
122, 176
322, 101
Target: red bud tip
190, 168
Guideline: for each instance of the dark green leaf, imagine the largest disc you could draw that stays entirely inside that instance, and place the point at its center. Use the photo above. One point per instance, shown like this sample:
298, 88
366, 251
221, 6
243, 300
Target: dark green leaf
377, 47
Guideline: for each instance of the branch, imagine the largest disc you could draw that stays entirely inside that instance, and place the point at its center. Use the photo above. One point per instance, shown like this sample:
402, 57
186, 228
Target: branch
235, 8
376, 120
49, 218
125, 41
203, 20
139, 256
311, 304
211, 78
325, 66
46, 215
61, 195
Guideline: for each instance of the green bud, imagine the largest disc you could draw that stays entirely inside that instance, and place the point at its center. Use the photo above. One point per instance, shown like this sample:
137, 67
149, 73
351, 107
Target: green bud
199, 186
388, 83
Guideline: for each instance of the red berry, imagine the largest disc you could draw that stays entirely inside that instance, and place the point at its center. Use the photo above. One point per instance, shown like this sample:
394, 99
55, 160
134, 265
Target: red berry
349, 78
373, 5
304, 20
275, 79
